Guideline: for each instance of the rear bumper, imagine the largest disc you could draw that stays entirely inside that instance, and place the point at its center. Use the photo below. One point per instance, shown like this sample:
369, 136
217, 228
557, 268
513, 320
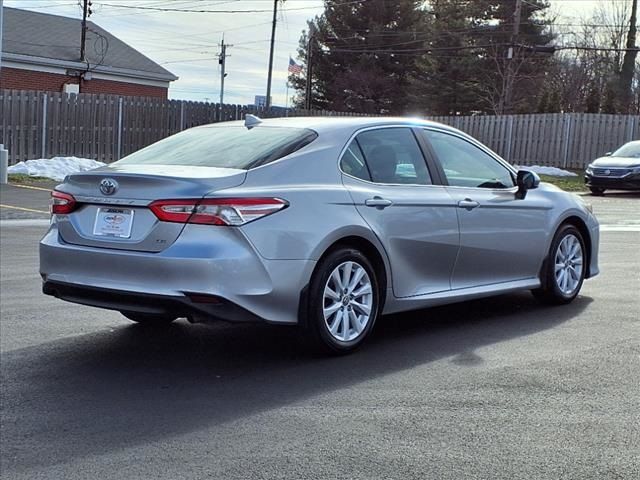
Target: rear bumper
177, 306
628, 182
210, 261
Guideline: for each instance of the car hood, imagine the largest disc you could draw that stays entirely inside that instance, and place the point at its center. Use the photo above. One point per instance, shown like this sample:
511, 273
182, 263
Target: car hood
625, 162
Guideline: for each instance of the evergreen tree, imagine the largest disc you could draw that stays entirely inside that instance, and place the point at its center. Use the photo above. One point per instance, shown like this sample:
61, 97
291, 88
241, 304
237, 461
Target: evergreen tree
359, 61
511, 85
446, 82
435, 57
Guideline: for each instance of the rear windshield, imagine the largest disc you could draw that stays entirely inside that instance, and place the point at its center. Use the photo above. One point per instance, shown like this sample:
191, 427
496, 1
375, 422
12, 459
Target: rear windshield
225, 147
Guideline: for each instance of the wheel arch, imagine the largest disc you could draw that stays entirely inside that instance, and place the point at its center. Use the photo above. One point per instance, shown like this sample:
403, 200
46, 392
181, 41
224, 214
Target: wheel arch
370, 251
374, 253
582, 227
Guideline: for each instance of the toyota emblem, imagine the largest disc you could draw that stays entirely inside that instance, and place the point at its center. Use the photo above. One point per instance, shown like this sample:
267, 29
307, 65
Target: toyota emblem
607, 172
108, 186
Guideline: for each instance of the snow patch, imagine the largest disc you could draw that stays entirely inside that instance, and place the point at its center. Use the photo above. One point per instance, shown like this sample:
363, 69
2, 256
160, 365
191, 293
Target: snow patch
552, 171
55, 168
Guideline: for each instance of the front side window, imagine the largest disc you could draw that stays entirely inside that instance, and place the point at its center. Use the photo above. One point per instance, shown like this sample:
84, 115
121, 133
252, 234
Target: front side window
223, 146
465, 165
393, 156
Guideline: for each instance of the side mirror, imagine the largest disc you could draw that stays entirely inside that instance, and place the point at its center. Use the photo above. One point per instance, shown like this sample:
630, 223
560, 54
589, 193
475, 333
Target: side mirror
608, 154
526, 180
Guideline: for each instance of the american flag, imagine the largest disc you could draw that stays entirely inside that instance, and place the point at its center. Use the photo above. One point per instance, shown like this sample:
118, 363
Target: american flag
294, 67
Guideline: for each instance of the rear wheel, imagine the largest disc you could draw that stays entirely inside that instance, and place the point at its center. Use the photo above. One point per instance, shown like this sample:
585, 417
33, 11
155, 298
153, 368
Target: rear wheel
344, 300
565, 267
149, 319
597, 191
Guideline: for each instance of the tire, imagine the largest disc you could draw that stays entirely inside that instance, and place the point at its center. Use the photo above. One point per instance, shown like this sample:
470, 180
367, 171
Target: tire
568, 255
149, 319
325, 323
597, 191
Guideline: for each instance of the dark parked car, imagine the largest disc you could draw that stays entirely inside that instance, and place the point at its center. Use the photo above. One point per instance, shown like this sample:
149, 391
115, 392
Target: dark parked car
619, 170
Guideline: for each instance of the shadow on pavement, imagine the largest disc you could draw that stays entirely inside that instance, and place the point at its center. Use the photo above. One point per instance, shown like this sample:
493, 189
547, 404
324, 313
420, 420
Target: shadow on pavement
109, 390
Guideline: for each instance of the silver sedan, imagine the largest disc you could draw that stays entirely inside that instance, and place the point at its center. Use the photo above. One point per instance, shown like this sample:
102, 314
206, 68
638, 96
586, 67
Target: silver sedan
321, 222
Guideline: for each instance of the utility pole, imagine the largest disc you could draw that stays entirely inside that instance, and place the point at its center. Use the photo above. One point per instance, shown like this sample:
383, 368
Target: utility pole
83, 38
222, 61
1, 20
307, 90
510, 73
273, 40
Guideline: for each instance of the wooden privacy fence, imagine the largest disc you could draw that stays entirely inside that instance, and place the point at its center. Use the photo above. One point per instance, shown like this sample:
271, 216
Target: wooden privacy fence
565, 140
107, 127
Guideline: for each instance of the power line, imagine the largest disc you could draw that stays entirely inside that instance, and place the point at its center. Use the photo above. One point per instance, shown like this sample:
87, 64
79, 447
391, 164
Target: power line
187, 10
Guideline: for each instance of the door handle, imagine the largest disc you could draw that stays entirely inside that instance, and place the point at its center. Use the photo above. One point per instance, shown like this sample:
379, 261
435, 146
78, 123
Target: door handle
468, 204
378, 202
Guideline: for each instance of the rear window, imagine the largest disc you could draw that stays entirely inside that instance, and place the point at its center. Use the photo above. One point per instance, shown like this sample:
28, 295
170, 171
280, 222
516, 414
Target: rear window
224, 147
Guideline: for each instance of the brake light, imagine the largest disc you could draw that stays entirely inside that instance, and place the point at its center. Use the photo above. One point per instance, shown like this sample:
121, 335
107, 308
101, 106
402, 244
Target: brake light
62, 203
216, 211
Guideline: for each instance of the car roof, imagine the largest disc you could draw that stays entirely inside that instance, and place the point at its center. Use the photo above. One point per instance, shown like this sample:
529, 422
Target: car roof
329, 124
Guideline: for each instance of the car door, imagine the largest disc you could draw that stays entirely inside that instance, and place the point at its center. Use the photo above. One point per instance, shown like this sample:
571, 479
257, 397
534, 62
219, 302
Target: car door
387, 175
502, 238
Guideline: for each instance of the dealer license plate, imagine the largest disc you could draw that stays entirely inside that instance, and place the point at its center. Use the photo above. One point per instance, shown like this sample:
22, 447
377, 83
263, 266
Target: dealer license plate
113, 222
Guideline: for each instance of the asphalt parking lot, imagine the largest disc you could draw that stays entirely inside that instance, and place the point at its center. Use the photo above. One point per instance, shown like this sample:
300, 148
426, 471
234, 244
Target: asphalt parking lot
499, 388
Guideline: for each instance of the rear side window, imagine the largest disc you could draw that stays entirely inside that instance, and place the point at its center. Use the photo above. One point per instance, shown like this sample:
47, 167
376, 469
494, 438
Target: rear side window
224, 147
392, 156
353, 163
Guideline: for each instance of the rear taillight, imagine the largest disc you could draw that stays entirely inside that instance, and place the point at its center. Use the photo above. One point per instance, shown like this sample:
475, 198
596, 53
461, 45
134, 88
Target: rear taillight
216, 211
62, 203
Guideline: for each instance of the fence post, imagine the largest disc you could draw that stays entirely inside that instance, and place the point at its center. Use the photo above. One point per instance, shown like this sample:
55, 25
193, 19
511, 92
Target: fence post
567, 139
632, 125
44, 126
119, 149
181, 115
4, 165
509, 138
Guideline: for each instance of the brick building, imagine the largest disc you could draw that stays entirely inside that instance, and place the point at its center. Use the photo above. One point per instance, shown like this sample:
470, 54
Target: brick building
42, 52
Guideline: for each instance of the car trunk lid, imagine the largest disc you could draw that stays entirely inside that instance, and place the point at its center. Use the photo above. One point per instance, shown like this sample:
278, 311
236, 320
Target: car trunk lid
118, 215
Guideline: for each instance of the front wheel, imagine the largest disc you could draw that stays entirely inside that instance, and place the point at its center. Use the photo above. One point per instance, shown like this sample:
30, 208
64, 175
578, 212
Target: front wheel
597, 191
343, 301
565, 267
149, 319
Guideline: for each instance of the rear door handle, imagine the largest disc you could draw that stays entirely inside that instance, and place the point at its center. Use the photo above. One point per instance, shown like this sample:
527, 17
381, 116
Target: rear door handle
468, 204
378, 202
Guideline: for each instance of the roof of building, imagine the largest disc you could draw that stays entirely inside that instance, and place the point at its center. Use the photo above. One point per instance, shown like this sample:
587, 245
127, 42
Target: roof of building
42, 38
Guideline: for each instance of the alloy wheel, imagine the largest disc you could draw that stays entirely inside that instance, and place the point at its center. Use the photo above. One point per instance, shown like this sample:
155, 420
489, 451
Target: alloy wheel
347, 301
569, 264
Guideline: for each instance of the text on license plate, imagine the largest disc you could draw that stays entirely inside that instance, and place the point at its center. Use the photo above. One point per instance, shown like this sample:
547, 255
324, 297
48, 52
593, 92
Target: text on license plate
113, 222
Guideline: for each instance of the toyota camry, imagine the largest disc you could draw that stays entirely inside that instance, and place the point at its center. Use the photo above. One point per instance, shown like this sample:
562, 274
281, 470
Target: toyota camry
326, 223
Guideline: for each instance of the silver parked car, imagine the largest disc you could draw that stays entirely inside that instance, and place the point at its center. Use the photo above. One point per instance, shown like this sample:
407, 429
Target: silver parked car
323, 222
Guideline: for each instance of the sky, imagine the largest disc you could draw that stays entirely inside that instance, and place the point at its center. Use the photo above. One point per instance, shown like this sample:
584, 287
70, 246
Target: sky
187, 43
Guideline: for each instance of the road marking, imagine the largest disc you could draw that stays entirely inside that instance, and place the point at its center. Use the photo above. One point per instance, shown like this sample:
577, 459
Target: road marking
620, 228
24, 209
25, 222
30, 187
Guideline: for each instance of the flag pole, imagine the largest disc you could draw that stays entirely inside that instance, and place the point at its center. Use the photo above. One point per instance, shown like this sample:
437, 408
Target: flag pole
286, 104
